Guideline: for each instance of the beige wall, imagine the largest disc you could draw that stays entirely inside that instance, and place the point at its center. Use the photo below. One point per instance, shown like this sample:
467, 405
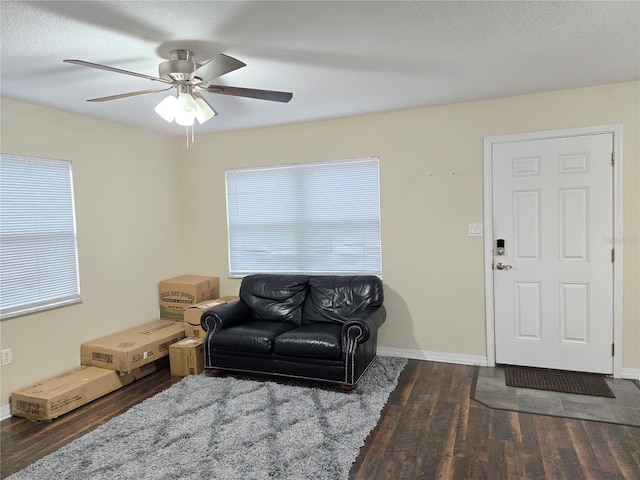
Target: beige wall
149, 209
431, 162
129, 234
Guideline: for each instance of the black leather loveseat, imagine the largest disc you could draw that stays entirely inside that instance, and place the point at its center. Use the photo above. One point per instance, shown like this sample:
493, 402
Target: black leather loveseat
314, 327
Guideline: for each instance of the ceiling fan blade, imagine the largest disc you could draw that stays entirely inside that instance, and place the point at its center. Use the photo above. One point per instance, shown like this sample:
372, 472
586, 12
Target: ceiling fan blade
215, 68
271, 95
130, 94
113, 69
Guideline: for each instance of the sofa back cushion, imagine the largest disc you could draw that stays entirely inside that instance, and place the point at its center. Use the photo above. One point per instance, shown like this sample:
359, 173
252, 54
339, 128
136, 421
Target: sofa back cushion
275, 298
336, 299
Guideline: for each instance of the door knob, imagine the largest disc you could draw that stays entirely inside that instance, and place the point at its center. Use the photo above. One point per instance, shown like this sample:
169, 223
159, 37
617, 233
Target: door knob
502, 266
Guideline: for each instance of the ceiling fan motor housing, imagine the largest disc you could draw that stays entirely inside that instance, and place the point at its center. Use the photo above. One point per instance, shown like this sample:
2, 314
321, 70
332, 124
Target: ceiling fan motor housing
180, 67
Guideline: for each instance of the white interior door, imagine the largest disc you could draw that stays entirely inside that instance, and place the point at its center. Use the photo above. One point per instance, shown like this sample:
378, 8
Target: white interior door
553, 207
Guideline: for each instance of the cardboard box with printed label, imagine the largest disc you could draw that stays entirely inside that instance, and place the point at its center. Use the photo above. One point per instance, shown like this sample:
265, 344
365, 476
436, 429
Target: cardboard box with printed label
180, 292
186, 357
132, 348
59, 395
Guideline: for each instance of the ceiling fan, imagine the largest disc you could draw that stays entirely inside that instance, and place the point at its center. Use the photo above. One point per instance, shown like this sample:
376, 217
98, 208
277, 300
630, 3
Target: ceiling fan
189, 78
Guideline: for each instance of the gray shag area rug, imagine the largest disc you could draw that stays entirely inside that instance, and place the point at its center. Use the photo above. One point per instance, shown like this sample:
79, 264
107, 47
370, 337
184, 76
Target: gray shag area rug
230, 428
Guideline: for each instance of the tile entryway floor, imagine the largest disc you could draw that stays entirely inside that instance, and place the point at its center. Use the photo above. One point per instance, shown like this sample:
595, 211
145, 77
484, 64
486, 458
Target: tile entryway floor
489, 389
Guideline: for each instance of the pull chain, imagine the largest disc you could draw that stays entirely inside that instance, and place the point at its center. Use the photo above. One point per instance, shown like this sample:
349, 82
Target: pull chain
193, 137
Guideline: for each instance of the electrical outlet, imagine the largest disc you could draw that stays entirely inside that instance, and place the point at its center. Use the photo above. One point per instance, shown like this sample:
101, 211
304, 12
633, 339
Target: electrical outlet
7, 357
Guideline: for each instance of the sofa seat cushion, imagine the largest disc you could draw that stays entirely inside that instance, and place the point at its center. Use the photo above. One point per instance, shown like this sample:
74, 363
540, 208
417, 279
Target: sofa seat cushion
251, 337
312, 341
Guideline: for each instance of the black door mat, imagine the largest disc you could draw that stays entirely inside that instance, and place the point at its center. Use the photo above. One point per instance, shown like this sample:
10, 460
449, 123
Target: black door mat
557, 381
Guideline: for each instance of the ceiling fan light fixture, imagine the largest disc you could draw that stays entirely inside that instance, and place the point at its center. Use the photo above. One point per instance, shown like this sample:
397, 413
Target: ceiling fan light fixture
204, 111
186, 101
185, 118
184, 109
167, 108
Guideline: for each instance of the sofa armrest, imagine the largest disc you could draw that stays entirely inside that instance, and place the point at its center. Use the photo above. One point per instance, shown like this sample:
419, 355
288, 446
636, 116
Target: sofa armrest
361, 327
225, 316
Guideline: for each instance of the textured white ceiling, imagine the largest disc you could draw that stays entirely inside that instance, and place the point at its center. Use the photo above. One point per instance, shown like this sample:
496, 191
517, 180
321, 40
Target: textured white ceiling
338, 58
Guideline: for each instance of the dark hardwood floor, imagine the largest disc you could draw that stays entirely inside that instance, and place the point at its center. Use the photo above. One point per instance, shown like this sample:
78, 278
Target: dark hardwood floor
429, 429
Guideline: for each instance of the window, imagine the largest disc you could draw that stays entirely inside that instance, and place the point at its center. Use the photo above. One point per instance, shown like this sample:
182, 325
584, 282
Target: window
38, 254
317, 218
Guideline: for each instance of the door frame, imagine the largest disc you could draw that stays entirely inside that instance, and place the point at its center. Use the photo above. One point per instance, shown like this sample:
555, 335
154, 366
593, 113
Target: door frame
489, 142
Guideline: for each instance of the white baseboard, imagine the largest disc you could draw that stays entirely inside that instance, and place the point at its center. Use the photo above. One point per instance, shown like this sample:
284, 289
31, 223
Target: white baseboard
5, 412
631, 373
434, 356
627, 373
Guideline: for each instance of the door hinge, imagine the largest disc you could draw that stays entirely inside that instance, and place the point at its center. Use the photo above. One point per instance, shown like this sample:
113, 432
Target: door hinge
613, 158
613, 255
613, 349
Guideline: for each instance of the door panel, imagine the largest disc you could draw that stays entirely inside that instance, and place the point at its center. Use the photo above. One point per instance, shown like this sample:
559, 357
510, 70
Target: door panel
553, 206
527, 225
528, 310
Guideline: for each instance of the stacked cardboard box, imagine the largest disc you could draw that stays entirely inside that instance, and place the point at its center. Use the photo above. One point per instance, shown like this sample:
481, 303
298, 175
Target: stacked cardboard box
56, 396
132, 348
114, 361
108, 364
180, 292
187, 357
193, 313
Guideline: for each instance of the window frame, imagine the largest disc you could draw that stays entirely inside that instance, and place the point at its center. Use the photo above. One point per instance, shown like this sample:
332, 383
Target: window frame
292, 184
38, 236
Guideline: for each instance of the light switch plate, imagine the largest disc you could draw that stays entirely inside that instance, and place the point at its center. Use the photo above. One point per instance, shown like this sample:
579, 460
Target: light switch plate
475, 229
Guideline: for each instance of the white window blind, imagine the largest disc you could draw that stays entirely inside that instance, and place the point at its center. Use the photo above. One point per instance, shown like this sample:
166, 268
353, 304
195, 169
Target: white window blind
317, 218
38, 254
